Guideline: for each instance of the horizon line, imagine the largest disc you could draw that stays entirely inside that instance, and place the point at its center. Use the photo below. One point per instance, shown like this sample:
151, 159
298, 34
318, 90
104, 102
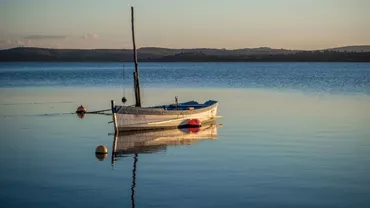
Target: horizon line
159, 47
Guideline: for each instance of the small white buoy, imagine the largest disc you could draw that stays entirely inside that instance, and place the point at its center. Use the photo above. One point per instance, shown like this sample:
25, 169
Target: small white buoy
101, 149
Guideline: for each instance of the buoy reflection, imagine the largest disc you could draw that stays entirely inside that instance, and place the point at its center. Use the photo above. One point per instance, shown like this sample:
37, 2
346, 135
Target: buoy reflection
81, 115
100, 157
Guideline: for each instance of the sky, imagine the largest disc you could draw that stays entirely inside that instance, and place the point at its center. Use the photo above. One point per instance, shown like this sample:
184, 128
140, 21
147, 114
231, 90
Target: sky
230, 24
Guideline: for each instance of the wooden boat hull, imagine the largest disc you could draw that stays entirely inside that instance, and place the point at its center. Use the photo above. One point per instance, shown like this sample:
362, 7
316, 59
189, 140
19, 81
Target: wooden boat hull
138, 118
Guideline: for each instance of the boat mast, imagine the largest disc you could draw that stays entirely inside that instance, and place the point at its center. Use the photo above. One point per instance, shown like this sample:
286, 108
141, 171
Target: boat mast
136, 73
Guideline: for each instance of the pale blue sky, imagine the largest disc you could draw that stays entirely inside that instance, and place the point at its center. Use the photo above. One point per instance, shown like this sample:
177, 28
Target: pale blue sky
292, 24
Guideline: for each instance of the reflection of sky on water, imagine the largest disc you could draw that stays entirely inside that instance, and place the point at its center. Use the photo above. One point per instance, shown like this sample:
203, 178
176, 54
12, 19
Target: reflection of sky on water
276, 147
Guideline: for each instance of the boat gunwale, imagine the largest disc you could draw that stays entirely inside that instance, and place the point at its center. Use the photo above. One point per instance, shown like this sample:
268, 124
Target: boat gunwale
161, 111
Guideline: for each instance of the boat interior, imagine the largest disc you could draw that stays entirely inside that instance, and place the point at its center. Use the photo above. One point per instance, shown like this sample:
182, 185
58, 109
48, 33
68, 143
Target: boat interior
191, 105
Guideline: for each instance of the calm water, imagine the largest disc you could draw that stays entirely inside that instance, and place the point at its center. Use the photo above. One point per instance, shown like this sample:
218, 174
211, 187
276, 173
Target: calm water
324, 77
293, 135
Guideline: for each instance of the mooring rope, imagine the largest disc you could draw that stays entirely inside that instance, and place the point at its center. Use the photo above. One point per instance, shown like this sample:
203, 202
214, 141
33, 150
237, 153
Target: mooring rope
98, 111
123, 80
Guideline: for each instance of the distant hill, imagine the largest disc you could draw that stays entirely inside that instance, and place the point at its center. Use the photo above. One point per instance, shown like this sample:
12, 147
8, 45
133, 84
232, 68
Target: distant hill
361, 48
156, 54
215, 52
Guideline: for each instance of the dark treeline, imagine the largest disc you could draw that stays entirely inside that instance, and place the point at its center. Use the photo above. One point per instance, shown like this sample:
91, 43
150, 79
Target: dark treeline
307, 56
181, 55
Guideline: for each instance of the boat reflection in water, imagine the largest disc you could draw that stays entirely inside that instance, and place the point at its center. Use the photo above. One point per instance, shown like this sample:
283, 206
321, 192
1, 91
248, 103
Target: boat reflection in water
126, 143
135, 143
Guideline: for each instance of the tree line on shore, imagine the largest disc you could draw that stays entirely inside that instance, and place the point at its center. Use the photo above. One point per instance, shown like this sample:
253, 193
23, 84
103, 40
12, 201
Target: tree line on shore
151, 54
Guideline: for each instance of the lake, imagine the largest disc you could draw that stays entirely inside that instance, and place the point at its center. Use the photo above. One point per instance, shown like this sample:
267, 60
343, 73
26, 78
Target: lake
292, 135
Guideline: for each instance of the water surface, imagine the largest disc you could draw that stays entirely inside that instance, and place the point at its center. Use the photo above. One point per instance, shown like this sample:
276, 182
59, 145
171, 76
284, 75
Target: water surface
293, 135
314, 77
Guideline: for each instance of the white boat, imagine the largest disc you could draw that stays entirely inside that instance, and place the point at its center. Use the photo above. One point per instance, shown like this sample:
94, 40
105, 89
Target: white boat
176, 115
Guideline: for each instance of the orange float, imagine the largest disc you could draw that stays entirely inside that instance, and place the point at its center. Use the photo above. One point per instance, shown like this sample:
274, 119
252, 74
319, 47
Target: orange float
81, 109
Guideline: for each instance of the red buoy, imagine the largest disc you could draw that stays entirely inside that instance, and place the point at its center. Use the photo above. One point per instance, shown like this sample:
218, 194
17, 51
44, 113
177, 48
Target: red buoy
193, 129
194, 122
81, 109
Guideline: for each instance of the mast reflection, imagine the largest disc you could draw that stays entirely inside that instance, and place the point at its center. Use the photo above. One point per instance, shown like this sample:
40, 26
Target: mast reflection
133, 182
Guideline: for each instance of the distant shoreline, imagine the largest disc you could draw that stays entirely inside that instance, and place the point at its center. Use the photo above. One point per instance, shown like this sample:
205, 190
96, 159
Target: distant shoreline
150, 54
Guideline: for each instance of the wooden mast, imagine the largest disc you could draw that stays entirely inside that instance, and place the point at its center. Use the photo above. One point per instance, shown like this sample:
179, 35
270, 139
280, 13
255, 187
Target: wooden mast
136, 73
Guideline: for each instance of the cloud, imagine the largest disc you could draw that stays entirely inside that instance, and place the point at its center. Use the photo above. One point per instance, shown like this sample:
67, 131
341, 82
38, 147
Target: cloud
16, 43
89, 36
46, 37
21, 43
